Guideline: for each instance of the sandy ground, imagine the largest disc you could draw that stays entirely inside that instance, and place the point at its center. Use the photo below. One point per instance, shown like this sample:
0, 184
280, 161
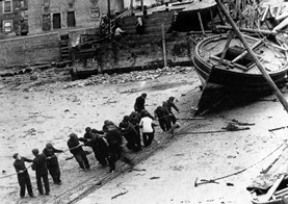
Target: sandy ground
34, 115
31, 117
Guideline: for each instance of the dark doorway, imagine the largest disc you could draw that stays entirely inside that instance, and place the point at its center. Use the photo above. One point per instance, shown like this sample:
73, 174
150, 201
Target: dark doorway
71, 19
56, 21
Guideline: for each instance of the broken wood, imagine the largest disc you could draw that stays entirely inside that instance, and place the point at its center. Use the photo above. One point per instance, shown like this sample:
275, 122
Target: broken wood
119, 194
211, 131
254, 57
271, 191
279, 128
191, 118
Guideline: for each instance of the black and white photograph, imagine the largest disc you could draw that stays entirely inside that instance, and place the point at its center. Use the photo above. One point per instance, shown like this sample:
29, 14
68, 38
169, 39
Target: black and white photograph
143, 101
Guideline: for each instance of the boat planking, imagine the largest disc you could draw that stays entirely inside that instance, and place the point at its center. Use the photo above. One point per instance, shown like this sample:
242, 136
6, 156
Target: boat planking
236, 76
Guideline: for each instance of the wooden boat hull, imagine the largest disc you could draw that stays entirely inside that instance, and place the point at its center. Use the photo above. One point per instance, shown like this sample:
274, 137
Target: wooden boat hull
234, 84
278, 201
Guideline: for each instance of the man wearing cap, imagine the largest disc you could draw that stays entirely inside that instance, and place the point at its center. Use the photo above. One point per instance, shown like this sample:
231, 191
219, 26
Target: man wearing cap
52, 162
40, 167
78, 152
140, 103
23, 175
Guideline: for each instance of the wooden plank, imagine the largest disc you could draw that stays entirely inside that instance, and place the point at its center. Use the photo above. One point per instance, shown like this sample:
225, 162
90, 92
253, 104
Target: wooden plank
243, 54
230, 37
201, 23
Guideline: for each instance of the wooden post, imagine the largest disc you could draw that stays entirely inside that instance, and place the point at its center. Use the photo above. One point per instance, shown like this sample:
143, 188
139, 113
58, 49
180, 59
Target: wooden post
131, 6
230, 37
142, 7
109, 16
201, 22
255, 58
212, 18
164, 45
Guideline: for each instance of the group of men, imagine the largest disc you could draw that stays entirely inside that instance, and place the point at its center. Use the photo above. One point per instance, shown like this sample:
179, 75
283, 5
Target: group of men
107, 145
42, 163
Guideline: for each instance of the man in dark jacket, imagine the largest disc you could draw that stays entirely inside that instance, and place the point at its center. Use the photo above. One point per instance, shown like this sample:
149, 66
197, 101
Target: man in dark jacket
52, 162
115, 142
140, 103
135, 118
40, 167
96, 142
163, 117
131, 135
23, 175
78, 152
169, 105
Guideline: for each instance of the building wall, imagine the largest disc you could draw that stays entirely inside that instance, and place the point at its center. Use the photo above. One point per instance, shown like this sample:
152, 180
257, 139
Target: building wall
29, 50
18, 12
138, 3
35, 16
87, 12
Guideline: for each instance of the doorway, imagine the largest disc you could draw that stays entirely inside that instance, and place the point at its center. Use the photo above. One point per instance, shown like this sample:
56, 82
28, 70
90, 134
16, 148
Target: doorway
56, 20
71, 19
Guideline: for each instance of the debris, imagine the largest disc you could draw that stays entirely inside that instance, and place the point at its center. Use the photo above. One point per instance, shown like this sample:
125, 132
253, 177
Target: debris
279, 128
154, 177
233, 127
135, 169
119, 194
229, 184
242, 124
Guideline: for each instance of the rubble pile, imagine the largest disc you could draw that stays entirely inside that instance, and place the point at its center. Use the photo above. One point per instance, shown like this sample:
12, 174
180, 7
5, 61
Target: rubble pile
36, 78
128, 77
52, 77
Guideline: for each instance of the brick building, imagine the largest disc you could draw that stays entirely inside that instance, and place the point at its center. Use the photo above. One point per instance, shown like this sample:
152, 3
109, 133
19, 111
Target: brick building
13, 17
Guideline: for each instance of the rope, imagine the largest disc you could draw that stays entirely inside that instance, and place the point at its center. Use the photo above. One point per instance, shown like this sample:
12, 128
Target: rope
252, 165
10, 175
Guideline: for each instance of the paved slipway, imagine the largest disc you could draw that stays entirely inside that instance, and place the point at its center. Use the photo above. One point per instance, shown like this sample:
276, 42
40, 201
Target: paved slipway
166, 171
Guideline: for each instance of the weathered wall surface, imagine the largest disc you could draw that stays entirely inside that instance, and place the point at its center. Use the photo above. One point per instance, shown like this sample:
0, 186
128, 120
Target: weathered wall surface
35, 17
115, 6
25, 51
87, 12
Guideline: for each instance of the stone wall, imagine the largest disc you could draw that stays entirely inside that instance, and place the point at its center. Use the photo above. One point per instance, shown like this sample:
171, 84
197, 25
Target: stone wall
30, 50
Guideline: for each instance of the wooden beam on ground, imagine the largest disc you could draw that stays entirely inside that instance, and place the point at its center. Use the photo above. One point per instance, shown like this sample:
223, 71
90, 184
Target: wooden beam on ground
250, 30
255, 58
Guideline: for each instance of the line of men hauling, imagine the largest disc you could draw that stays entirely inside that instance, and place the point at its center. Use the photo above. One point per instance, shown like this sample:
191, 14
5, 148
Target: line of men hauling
107, 145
